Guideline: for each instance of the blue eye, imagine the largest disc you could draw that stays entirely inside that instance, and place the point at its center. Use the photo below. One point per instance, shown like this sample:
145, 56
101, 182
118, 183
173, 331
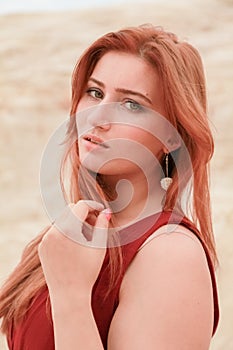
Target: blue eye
133, 106
95, 93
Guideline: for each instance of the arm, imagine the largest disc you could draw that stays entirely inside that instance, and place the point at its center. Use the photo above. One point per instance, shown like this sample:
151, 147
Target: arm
166, 297
71, 269
74, 324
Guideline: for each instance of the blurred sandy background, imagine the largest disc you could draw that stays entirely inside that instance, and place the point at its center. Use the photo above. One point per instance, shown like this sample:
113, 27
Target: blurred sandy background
37, 56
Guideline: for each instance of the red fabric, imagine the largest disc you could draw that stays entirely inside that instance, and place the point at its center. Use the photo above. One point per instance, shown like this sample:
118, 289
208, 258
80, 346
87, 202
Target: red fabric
36, 330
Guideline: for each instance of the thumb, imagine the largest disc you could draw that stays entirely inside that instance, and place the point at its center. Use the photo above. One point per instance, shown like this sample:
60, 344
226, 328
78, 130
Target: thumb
100, 232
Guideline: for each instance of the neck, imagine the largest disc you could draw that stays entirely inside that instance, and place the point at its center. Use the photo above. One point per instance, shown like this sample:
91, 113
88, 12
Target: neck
135, 197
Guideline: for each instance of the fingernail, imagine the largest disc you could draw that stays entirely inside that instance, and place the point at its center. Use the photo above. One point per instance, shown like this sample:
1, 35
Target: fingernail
108, 213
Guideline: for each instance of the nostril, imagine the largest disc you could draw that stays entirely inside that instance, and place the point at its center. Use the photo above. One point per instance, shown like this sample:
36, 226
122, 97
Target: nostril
100, 116
103, 124
106, 126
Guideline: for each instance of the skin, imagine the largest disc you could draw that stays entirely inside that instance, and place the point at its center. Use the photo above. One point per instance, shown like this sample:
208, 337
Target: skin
166, 295
105, 87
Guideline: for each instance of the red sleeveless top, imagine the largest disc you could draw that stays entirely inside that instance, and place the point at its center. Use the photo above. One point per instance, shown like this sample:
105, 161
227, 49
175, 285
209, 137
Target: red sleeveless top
35, 332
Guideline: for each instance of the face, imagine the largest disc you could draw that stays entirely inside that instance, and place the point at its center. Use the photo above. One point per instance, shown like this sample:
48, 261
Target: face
112, 139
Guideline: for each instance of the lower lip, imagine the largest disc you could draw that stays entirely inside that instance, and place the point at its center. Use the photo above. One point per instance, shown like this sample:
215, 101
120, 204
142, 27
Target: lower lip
91, 146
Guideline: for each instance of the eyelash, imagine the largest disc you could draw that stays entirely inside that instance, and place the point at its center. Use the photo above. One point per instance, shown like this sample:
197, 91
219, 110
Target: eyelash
132, 102
91, 92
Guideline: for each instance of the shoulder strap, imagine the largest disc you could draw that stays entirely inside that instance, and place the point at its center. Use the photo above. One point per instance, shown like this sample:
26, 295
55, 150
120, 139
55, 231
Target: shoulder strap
149, 227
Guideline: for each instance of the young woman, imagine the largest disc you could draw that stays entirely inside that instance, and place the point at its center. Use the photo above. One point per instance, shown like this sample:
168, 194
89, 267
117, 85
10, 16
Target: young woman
138, 118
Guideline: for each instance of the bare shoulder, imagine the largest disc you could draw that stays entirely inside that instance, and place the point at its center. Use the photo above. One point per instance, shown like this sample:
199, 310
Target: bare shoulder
168, 286
176, 250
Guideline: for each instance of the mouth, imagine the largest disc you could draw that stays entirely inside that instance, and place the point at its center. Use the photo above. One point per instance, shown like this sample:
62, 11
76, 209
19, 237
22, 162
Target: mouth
95, 140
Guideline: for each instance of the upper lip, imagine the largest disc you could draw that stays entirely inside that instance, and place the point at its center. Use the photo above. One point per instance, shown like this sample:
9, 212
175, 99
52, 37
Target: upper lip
94, 139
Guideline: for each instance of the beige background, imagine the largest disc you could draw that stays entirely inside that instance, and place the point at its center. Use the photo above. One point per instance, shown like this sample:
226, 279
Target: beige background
38, 53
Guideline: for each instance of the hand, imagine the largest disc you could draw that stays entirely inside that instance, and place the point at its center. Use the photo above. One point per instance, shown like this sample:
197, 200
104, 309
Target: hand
70, 262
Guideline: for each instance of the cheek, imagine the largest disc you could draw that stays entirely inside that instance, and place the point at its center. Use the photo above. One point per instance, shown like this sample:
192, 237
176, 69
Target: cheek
154, 145
85, 102
82, 105
144, 138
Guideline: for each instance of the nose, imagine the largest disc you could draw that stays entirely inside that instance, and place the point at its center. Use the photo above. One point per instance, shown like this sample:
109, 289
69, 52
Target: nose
98, 117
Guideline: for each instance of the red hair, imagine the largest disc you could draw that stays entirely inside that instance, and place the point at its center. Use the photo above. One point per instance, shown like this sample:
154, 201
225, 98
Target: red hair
182, 80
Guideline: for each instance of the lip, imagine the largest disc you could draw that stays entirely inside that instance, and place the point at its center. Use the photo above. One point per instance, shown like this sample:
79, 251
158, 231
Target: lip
92, 141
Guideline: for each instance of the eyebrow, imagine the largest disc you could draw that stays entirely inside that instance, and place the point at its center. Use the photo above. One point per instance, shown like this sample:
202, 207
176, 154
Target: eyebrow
124, 91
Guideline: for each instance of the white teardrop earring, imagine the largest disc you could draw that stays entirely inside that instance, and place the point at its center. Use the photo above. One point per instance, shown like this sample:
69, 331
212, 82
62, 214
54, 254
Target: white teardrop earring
166, 181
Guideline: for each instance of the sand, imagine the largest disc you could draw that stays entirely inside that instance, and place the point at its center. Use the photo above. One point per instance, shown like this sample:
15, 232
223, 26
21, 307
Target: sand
38, 53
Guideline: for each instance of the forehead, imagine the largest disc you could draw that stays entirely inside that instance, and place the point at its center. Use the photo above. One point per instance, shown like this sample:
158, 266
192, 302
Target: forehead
126, 70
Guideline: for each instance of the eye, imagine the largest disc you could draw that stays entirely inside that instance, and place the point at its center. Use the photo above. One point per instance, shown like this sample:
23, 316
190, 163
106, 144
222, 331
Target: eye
133, 106
95, 93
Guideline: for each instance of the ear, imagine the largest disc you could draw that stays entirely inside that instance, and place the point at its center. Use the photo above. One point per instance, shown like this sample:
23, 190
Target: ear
172, 143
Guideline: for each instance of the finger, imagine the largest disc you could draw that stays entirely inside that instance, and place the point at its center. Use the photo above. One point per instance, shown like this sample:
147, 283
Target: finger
72, 222
70, 225
100, 232
82, 208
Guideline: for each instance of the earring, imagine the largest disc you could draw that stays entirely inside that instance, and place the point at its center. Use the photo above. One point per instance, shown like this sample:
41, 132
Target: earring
166, 181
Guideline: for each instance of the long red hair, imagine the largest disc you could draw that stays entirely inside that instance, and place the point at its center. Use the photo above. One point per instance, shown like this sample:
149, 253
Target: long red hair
182, 80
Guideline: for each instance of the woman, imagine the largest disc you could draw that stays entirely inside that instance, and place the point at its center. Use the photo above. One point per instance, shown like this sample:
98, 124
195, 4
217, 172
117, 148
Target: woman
153, 286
